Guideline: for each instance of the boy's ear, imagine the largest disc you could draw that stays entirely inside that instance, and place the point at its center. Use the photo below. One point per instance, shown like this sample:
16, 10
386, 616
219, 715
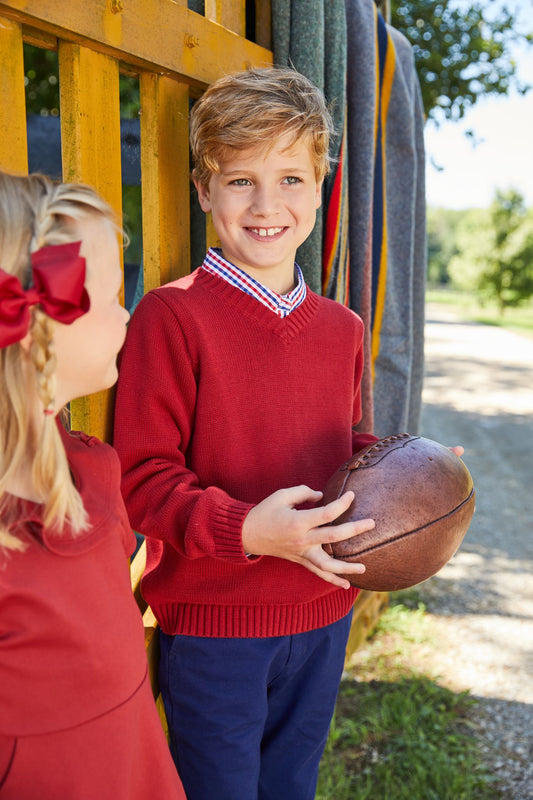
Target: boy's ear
318, 194
203, 195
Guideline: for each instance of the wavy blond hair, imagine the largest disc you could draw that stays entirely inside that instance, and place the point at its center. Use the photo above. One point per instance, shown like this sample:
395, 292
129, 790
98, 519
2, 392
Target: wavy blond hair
255, 108
36, 212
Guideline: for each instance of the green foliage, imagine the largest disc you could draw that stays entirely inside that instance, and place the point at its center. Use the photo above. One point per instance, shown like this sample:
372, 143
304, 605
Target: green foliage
507, 274
41, 80
472, 234
488, 252
441, 243
460, 52
454, 242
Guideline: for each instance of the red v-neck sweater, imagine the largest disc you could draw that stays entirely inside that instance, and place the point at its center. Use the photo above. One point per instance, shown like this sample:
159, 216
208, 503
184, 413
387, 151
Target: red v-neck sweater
220, 403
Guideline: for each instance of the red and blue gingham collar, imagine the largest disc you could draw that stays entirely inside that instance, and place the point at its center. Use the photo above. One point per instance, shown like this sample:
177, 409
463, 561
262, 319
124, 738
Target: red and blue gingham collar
282, 305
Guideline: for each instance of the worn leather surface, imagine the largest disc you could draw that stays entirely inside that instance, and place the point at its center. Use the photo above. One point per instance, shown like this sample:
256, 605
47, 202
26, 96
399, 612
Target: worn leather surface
421, 496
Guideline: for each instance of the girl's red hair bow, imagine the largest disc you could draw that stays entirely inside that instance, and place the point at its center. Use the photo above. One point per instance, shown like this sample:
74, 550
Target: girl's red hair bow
58, 287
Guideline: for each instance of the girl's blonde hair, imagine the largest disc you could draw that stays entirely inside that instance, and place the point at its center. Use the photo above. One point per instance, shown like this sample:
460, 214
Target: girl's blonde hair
36, 212
254, 108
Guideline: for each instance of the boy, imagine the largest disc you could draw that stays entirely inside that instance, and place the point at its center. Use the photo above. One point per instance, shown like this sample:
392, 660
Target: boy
237, 382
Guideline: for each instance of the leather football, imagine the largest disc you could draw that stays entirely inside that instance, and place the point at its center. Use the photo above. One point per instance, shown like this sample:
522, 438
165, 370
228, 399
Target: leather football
421, 496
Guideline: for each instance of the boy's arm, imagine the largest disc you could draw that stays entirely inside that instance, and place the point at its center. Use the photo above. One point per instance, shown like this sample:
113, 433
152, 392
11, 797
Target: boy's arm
154, 413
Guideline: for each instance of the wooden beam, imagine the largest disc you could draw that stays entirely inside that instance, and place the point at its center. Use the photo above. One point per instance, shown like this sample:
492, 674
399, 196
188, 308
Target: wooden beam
187, 45
165, 179
13, 138
90, 137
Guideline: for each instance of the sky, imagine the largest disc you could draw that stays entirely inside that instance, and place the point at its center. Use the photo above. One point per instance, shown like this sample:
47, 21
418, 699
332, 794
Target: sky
502, 155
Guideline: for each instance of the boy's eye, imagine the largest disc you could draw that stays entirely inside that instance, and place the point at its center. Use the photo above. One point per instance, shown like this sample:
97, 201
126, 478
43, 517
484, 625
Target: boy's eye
240, 182
292, 179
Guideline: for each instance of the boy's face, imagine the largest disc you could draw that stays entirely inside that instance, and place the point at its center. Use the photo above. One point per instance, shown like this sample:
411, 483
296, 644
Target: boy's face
264, 206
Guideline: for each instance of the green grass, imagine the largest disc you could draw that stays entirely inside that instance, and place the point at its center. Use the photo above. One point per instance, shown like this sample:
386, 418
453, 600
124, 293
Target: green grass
397, 734
518, 319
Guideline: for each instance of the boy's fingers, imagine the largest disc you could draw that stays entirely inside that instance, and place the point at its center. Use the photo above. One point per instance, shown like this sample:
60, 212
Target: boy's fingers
295, 495
330, 577
331, 564
338, 533
322, 515
330, 569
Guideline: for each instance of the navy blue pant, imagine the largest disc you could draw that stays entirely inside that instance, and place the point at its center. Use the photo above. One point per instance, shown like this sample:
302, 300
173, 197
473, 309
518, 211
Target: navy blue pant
249, 718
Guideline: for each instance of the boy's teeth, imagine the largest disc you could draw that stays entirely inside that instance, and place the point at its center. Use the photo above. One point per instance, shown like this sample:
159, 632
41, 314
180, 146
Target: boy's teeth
267, 231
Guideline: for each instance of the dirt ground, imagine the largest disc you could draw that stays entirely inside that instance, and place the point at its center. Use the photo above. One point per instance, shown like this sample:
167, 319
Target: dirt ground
478, 392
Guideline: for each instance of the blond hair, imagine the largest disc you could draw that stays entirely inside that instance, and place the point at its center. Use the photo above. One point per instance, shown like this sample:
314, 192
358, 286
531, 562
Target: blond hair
254, 108
36, 212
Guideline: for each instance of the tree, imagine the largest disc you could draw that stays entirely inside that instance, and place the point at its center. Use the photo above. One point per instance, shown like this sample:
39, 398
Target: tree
460, 52
442, 224
472, 235
507, 275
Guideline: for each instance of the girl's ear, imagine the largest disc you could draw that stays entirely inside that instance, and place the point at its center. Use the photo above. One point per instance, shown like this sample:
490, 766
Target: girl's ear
203, 195
26, 343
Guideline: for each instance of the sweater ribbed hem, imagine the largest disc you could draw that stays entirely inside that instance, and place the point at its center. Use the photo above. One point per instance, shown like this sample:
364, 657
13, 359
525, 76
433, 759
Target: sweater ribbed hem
218, 621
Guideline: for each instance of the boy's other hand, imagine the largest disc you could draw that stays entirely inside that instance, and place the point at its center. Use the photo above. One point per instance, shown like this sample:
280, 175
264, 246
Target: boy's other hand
275, 527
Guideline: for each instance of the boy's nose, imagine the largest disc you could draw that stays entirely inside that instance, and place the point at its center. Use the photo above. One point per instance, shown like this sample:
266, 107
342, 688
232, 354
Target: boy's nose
265, 201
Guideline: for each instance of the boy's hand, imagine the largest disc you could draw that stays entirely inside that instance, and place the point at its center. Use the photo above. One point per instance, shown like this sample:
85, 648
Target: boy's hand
275, 527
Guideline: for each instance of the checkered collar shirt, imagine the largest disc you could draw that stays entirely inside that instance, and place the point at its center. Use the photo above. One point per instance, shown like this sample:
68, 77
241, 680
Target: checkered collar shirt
281, 305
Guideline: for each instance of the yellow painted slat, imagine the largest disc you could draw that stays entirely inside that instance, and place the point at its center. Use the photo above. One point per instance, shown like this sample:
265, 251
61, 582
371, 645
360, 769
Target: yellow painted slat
13, 139
213, 9
234, 16
129, 35
90, 120
211, 236
229, 13
263, 23
165, 179
90, 138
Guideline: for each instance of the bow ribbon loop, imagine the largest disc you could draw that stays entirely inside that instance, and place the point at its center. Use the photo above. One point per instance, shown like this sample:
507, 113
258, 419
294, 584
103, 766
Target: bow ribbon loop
58, 287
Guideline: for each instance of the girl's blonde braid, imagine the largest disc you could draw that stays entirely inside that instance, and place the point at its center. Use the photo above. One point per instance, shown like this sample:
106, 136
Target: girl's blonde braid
50, 471
42, 327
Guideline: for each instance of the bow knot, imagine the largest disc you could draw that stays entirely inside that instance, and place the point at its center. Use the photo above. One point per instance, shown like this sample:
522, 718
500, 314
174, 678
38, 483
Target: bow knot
58, 287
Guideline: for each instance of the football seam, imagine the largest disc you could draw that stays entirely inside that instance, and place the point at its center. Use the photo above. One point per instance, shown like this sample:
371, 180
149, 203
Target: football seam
400, 536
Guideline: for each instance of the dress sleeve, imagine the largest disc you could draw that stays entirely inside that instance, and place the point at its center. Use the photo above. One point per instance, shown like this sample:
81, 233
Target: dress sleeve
154, 422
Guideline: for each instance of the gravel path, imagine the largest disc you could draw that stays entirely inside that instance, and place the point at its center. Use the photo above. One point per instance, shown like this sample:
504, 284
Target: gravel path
478, 392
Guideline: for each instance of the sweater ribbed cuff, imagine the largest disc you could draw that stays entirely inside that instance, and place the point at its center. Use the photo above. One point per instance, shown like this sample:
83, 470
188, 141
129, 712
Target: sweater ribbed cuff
227, 532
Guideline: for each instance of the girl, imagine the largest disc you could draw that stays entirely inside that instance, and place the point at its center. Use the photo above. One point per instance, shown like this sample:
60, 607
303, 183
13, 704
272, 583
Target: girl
77, 717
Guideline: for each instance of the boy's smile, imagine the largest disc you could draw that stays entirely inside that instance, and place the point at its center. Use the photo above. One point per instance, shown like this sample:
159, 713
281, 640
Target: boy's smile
264, 206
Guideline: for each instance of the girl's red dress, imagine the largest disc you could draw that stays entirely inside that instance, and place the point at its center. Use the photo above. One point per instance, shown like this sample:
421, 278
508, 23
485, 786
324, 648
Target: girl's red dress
78, 720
